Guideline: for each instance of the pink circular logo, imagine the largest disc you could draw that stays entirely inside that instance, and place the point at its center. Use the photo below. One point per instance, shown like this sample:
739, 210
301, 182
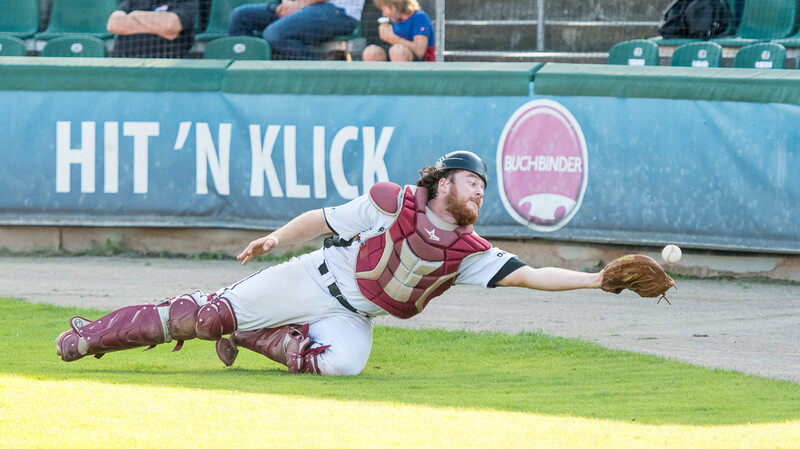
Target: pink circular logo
542, 165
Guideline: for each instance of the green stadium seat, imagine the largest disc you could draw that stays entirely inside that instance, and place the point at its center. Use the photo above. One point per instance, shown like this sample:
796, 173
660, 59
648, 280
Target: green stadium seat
342, 45
350, 36
237, 47
634, 52
697, 54
763, 20
75, 46
20, 18
84, 17
765, 55
11, 46
218, 18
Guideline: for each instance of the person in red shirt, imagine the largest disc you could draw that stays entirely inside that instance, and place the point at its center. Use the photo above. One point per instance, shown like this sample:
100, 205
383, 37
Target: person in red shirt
407, 31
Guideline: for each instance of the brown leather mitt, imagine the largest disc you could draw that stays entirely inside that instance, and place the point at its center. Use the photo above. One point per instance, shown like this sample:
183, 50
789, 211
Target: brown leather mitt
638, 273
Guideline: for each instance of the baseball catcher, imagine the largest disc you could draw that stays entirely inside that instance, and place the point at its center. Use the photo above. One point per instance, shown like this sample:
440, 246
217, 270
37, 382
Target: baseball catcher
392, 251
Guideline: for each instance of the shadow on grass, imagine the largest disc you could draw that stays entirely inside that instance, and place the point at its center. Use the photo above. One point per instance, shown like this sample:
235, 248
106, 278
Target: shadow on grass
530, 373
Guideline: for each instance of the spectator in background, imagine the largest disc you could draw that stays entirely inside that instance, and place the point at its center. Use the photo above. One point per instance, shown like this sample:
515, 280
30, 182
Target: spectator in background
292, 26
408, 32
153, 28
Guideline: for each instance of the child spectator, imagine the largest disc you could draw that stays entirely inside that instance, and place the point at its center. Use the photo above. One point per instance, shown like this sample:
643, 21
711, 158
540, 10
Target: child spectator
409, 35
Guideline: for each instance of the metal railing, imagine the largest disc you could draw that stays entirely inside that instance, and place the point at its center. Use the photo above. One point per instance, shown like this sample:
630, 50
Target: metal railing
441, 23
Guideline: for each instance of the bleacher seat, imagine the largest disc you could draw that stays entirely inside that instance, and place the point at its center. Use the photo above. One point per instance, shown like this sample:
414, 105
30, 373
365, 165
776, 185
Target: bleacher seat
344, 44
765, 55
634, 52
84, 17
697, 54
75, 46
19, 18
763, 20
218, 18
237, 47
11, 46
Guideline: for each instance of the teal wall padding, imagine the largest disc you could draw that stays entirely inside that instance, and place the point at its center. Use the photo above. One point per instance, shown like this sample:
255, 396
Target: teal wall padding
266, 77
686, 83
366, 78
110, 74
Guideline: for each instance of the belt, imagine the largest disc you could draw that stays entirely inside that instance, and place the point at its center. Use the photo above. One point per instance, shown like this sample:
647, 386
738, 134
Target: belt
336, 293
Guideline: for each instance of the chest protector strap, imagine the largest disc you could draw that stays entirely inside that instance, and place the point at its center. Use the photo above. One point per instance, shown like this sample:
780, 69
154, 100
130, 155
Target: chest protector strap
413, 261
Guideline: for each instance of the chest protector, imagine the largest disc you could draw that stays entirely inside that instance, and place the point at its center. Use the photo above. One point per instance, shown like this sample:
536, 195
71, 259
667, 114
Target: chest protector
413, 261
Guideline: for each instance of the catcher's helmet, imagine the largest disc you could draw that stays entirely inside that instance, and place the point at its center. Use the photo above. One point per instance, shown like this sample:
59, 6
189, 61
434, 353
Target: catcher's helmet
464, 160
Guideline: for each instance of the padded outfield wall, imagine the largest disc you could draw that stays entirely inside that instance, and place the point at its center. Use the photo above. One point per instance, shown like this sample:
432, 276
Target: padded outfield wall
706, 158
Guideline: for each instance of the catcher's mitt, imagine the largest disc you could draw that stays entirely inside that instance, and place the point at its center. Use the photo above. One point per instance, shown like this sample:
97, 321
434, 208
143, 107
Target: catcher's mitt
638, 273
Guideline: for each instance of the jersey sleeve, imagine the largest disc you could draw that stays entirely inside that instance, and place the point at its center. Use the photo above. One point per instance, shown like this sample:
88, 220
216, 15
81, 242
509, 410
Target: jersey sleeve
422, 25
353, 218
487, 268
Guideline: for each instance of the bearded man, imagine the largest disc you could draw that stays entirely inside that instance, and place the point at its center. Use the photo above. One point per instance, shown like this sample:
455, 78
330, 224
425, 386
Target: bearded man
392, 251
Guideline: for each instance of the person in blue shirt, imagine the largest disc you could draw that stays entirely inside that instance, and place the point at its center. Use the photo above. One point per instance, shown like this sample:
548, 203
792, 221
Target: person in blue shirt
407, 31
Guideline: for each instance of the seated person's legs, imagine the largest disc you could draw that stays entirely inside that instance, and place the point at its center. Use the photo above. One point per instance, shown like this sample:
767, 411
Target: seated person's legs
251, 19
290, 36
400, 53
374, 53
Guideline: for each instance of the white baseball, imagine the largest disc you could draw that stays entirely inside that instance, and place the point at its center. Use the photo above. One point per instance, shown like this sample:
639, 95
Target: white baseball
671, 254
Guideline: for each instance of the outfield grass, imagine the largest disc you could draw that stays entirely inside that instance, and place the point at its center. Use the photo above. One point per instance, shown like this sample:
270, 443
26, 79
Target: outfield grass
419, 389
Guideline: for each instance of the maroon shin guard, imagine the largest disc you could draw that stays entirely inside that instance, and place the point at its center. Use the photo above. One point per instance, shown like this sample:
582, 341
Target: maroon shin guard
147, 325
288, 345
126, 328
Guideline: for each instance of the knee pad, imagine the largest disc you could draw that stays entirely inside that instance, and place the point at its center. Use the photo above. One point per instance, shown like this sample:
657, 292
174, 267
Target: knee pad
182, 317
215, 319
188, 320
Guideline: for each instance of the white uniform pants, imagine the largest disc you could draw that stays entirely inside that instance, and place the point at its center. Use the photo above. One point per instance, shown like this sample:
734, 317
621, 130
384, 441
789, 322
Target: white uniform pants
293, 293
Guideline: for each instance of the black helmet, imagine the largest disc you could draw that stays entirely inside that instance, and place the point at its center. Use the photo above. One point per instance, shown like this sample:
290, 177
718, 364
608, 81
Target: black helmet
464, 160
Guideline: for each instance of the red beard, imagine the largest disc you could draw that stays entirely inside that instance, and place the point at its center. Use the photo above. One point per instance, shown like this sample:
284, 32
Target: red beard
463, 215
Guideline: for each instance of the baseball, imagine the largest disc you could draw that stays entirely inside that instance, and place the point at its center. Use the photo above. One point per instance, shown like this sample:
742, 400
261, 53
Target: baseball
671, 254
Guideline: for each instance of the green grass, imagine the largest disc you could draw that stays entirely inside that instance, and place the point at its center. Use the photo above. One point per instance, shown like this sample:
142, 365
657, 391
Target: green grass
424, 376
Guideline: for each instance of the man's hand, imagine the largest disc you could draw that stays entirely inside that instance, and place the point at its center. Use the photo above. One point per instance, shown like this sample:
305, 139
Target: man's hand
287, 8
257, 248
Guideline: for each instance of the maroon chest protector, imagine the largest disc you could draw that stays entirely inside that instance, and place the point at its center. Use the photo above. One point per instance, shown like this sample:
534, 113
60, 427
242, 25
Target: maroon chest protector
413, 261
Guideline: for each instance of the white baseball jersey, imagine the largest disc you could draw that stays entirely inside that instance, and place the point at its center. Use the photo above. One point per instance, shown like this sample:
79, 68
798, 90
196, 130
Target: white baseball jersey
296, 292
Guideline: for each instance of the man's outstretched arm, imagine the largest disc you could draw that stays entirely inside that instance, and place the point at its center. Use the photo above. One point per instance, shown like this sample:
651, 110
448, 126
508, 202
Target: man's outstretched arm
303, 228
551, 279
